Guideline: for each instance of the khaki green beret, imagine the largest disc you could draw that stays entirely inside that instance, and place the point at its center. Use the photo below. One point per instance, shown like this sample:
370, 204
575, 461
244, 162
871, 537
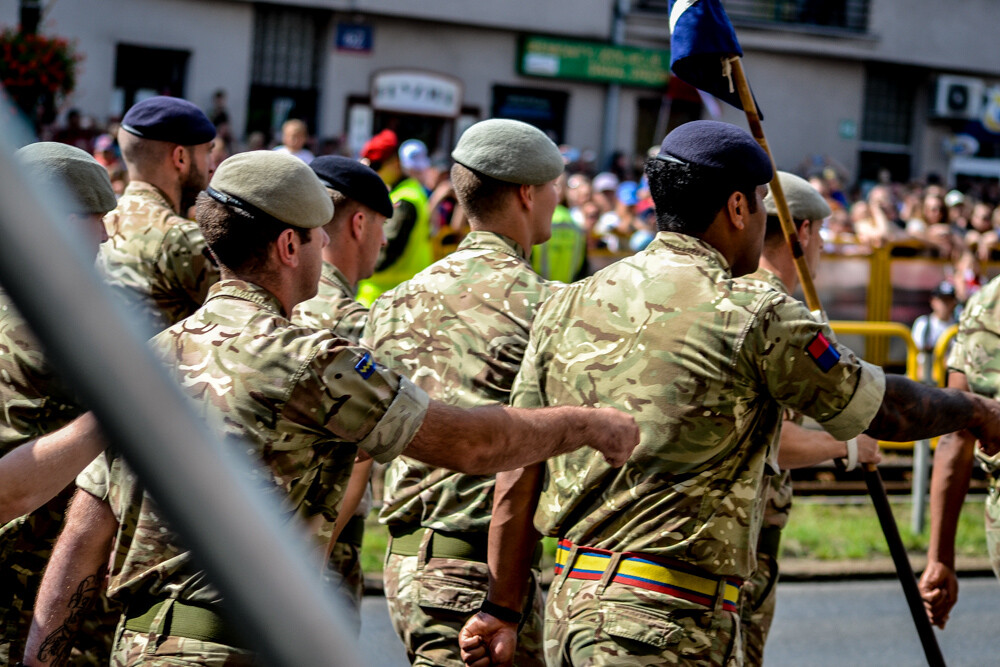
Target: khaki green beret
509, 151
64, 166
804, 202
268, 184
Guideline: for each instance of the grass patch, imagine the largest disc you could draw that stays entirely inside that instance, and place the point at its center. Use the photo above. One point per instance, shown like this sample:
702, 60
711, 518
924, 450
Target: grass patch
815, 530
844, 532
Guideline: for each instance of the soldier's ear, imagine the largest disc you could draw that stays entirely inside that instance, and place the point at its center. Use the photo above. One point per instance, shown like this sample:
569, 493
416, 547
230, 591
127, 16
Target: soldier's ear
738, 208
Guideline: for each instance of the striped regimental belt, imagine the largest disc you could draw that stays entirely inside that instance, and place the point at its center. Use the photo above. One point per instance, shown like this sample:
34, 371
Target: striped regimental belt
653, 573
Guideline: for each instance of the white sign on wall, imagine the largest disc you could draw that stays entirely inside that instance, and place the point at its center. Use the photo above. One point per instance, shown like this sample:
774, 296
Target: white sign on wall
417, 92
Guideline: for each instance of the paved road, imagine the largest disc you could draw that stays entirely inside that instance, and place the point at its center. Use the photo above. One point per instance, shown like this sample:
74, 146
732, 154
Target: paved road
818, 624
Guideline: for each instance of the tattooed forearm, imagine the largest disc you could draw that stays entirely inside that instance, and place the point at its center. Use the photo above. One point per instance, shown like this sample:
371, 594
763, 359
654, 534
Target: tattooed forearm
912, 411
55, 649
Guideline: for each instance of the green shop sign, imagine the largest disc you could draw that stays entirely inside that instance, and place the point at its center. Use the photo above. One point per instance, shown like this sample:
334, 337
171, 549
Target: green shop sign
592, 61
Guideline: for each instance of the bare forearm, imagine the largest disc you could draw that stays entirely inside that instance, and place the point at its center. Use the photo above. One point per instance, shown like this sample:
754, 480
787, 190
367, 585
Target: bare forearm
35, 472
352, 497
912, 411
487, 440
73, 578
949, 485
512, 534
803, 447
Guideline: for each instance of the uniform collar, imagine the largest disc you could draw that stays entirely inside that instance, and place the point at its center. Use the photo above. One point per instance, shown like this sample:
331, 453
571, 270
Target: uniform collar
483, 240
770, 277
149, 192
334, 275
689, 245
245, 291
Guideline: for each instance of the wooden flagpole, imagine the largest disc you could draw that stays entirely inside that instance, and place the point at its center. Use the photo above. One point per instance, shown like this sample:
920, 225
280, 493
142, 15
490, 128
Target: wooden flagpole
873, 479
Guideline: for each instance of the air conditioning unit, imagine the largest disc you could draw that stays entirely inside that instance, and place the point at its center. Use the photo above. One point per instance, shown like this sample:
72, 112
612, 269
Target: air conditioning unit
958, 97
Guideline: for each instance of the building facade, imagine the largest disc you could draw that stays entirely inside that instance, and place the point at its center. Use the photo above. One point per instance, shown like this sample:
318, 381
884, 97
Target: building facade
909, 87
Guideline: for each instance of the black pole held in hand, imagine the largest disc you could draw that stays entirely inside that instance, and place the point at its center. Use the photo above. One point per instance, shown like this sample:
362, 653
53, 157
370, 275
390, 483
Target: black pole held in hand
876, 488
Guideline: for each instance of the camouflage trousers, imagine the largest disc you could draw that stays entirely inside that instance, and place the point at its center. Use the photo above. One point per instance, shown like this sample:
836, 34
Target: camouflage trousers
992, 521
592, 623
758, 597
431, 598
345, 560
155, 650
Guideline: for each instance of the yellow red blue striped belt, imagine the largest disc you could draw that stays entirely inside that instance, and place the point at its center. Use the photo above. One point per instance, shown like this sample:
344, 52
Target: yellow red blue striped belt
653, 573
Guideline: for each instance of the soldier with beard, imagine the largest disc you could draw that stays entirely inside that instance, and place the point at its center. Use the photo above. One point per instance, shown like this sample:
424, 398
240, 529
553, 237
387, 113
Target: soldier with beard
156, 258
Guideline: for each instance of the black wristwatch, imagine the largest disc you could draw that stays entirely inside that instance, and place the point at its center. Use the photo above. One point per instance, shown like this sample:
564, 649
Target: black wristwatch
503, 613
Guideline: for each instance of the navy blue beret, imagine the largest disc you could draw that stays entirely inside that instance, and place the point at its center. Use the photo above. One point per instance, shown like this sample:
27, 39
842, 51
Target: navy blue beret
169, 119
721, 146
355, 181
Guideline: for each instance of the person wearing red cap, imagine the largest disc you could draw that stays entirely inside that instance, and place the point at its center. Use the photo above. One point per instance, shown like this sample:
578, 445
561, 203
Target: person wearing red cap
408, 244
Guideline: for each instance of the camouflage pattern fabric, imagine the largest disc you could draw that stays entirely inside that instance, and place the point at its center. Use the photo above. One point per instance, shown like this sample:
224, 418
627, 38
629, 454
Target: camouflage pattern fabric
34, 402
704, 363
345, 560
155, 259
459, 328
760, 590
334, 307
589, 624
302, 400
975, 353
143, 648
431, 598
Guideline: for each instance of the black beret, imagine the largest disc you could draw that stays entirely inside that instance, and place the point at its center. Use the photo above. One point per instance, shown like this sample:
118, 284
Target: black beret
355, 181
169, 119
720, 146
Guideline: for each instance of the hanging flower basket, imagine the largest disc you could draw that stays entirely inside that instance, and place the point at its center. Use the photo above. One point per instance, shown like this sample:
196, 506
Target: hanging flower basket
37, 71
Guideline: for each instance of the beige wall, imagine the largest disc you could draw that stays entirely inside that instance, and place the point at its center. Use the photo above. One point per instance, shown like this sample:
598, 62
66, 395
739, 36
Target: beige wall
219, 36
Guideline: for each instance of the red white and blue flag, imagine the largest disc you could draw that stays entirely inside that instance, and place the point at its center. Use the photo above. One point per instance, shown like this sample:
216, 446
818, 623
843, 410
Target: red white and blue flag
701, 36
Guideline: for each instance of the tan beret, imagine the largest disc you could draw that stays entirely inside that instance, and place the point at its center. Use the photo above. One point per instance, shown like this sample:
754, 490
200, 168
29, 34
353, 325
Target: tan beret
804, 202
64, 166
278, 184
509, 151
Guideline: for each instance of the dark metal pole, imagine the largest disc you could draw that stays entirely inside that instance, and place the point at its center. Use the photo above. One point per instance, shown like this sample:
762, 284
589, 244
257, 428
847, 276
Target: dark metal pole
904, 570
256, 558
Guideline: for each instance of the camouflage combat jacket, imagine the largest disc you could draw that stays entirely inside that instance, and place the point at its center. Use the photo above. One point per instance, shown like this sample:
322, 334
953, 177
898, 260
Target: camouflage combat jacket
778, 492
975, 354
333, 307
459, 328
704, 364
155, 259
303, 400
34, 402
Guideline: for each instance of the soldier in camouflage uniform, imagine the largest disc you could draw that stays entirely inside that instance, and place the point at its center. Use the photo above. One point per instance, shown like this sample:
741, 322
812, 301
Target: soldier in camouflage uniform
361, 205
155, 258
973, 364
652, 556
304, 401
799, 447
34, 402
460, 328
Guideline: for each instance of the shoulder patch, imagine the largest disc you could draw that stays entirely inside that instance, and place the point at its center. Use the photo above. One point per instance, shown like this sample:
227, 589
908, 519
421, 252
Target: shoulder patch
822, 352
365, 367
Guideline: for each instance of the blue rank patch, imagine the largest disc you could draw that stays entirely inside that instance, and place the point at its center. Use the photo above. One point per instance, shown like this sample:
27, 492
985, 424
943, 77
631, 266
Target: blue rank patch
366, 366
822, 352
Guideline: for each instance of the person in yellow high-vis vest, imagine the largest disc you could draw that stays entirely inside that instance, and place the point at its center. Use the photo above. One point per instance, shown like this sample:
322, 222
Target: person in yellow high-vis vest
564, 255
408, 248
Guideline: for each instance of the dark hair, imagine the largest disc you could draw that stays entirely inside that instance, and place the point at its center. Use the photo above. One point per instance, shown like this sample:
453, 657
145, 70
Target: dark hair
238, 240
689, 196
480, 195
